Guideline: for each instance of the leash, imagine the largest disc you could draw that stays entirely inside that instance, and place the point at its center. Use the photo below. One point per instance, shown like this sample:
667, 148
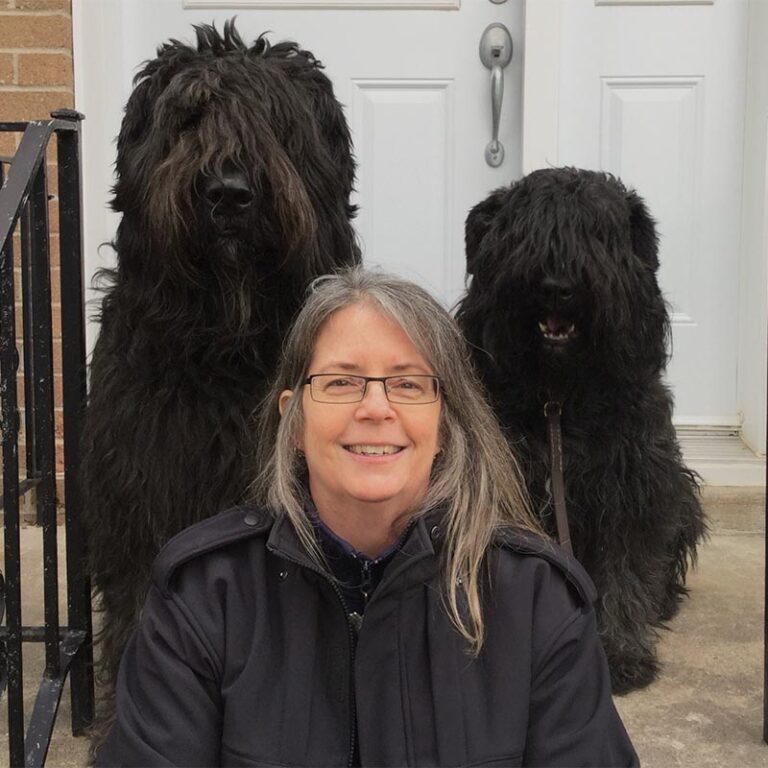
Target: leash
552, 410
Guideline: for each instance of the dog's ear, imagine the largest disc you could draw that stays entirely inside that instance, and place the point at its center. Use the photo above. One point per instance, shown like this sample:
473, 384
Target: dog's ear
477, 224
645, 241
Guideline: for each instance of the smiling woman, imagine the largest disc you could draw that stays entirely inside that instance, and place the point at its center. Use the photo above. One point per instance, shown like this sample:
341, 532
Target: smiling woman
387, 600
368, 460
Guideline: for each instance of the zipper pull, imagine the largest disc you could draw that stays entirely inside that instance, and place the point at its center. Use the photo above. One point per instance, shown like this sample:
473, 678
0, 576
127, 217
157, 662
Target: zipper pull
365, 580
356, 620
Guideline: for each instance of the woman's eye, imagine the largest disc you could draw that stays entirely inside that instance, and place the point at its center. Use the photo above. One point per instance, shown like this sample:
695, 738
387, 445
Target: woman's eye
333, 383
407, 384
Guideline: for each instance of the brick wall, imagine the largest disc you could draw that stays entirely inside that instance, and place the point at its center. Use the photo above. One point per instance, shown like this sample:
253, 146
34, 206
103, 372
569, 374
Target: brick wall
36, 77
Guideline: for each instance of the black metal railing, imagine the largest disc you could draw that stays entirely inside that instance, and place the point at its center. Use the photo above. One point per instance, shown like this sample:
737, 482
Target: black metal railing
68, 649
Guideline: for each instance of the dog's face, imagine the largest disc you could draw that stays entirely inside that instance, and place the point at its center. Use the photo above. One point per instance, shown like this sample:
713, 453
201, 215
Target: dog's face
563, 277
220, 157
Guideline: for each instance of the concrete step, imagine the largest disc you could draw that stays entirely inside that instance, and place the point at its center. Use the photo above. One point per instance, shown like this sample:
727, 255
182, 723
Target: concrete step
734, 508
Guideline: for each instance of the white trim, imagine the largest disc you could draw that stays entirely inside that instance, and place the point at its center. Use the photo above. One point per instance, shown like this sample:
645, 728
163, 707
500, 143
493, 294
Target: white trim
728, 424
97, 52
357, 5
720, 456
753, 296
654, 2
541, 83
728, 473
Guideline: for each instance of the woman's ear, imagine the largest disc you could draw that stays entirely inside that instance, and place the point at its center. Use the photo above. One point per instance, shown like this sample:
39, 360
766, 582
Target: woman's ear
282, 402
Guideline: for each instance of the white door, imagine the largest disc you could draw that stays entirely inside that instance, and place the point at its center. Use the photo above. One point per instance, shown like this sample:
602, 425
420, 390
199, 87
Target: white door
417, 98
654, 92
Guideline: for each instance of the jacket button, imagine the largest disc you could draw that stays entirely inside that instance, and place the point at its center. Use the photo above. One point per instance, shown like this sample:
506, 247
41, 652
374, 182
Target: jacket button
251, 519
434, 533
283, 575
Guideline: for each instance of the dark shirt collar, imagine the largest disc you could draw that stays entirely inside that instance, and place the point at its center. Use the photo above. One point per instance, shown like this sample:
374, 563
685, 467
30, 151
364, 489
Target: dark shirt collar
333, 545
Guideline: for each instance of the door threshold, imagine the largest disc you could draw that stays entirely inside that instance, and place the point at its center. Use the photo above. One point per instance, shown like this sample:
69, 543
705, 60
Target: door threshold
721, 457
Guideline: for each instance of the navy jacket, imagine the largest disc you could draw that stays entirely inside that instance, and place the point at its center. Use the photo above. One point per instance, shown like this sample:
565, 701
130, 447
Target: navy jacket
245, 656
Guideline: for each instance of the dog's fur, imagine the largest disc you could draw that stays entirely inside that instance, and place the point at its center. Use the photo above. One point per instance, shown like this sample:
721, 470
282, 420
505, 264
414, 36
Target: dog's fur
234, 173
565, 247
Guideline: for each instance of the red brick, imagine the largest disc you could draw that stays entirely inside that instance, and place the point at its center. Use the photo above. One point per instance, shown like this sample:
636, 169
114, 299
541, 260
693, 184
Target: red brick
32, 105
55, 285
58, 424
8, 141
6, 69
53, 214
44, 69
35, 31
44, 5
56, 321
55, 250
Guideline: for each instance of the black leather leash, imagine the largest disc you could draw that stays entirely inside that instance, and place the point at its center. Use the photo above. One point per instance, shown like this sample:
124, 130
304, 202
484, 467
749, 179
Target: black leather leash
552, 410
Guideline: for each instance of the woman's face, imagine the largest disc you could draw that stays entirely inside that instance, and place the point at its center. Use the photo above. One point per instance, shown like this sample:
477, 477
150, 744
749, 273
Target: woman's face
345, 473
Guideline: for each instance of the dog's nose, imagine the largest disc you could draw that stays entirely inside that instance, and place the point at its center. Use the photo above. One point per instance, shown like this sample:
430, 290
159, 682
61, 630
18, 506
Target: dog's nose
228, 193
557, 289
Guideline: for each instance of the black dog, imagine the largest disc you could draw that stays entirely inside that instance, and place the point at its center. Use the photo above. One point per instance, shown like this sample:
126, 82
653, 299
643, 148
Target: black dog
564, 306
234, 172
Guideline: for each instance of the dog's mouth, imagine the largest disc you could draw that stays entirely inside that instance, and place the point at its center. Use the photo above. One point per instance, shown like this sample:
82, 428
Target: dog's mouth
228, 230
558, 330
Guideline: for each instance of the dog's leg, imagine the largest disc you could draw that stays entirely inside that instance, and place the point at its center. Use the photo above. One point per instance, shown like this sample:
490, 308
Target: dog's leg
625, 616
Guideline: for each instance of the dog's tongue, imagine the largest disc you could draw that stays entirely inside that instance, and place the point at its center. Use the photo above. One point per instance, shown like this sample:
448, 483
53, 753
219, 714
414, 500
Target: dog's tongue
557, 324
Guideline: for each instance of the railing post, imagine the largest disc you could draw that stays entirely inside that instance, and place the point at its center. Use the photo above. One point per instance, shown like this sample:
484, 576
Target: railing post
9, 363
74, 397
42, 343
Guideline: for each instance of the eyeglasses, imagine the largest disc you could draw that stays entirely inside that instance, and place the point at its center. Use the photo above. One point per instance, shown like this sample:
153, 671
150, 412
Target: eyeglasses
412, 389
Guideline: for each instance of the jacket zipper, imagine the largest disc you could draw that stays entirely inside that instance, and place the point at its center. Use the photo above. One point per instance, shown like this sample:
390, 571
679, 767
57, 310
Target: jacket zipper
365, 581
352, 644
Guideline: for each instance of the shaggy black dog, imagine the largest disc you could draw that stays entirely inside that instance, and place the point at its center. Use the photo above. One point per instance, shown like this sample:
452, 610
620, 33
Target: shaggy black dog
234, 172
564, 306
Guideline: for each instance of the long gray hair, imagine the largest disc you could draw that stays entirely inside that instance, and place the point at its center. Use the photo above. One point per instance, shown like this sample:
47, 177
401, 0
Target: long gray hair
475, 479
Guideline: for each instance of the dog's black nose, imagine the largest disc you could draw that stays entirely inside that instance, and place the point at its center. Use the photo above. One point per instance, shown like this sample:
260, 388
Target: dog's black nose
229, 193
557, 289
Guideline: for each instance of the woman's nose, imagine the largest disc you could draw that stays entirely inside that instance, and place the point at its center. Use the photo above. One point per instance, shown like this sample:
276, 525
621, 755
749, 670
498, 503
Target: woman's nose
375, 403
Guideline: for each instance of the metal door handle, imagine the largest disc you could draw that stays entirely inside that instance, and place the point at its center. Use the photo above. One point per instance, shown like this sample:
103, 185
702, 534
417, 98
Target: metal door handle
496, 53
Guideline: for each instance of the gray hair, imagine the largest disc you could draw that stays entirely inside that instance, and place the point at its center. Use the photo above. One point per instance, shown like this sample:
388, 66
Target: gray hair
475, 478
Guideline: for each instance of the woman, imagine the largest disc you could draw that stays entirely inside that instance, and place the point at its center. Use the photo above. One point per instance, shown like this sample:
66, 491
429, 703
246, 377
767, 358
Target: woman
388, 599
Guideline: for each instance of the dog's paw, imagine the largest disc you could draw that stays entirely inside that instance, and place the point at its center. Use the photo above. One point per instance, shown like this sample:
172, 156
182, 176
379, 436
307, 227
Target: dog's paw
631, 674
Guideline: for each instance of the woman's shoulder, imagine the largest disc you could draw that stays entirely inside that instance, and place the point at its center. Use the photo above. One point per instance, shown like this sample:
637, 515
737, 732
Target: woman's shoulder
213, 535
541, 559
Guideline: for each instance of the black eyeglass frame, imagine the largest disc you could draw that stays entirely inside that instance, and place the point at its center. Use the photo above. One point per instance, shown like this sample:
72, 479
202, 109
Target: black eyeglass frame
383, 379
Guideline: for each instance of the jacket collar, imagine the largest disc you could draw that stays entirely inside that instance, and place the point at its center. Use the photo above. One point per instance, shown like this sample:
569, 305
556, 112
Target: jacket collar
420, 544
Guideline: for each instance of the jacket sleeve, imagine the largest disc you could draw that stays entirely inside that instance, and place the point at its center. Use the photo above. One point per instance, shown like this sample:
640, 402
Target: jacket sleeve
573, 720
168, 700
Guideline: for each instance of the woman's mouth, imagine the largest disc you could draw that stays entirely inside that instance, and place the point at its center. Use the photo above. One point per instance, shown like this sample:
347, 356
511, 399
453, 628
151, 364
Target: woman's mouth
364, 449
